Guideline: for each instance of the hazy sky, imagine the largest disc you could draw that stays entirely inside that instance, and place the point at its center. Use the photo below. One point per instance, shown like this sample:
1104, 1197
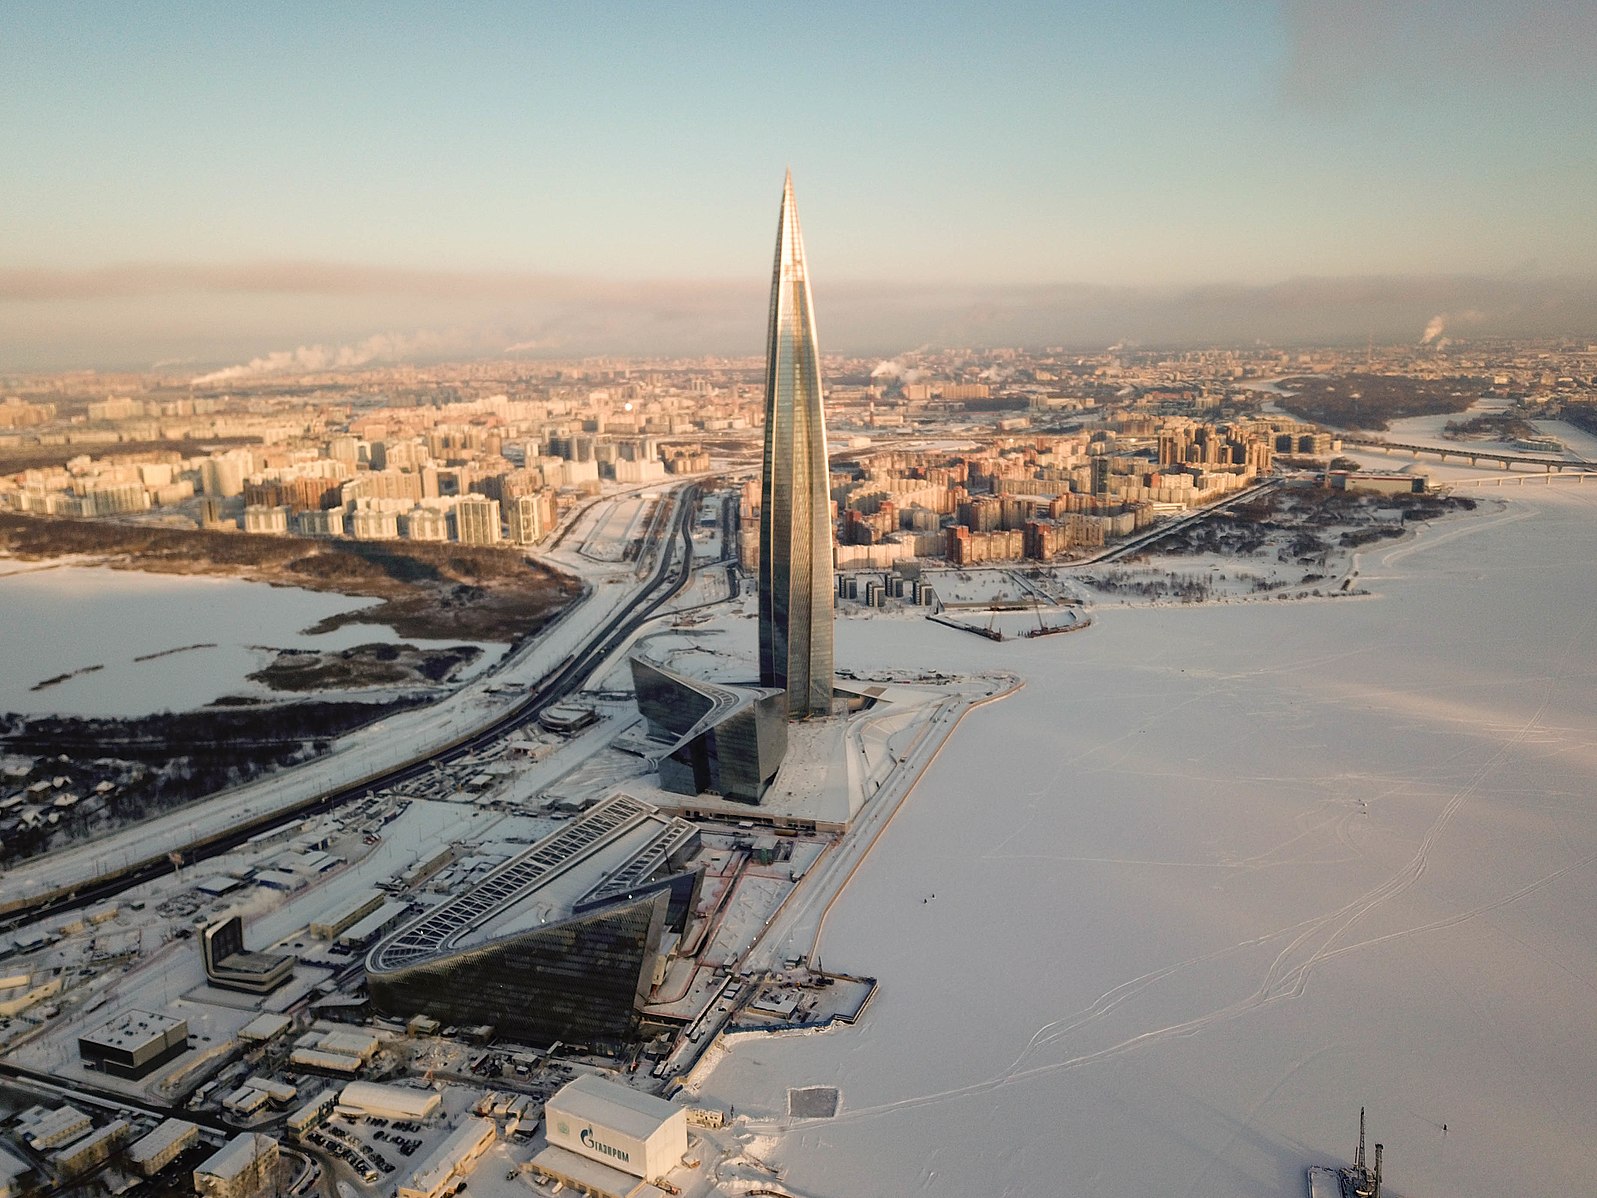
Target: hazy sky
225, 181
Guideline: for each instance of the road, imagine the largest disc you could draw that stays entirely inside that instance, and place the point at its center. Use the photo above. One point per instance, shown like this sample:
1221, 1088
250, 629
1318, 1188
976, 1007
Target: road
672, 569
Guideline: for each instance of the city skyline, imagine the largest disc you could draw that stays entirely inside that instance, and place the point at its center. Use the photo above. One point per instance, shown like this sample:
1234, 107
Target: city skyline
267, 189
1242, 687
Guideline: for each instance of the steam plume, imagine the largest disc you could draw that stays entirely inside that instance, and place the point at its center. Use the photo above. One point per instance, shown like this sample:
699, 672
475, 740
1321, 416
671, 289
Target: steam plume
380, 347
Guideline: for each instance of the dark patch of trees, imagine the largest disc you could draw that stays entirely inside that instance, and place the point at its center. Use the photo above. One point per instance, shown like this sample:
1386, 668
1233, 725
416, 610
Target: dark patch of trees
1372, 401
1356, 537
1500, 426
483, 593
166, 732
331, 561
159, 763
998, 403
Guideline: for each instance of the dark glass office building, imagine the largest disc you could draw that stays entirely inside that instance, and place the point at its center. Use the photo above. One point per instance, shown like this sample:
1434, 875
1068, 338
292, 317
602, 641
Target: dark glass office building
795, 582
579, 980
558, 943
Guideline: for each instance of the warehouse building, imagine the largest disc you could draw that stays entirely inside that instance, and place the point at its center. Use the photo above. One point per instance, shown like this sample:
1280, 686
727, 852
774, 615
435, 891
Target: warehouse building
218, 886
389, 1102
384, 919
256, 1092
315, 1060
558, 943
280, 1092
280, 879
344, 1052
451, 1160
345, 916
134, 1043
246, 1100
615, 1125
265, 1027
170, 1140
24, 989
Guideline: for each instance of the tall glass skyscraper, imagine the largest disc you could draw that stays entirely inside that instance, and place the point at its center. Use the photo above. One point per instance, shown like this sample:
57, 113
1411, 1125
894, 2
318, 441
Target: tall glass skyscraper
795, 498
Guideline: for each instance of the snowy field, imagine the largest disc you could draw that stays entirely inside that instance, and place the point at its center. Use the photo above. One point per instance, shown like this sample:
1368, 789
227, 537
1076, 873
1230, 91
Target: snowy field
1220, 874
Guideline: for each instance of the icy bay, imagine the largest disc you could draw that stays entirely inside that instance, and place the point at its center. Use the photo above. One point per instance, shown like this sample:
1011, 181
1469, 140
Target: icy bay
1219, 875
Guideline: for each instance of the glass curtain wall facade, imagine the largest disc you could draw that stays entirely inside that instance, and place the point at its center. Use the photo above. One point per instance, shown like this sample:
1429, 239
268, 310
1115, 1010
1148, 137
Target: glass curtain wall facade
580, 979
795, 498
735, 754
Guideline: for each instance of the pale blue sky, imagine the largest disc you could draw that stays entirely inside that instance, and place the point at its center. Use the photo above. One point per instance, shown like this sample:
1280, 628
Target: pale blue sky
208, 179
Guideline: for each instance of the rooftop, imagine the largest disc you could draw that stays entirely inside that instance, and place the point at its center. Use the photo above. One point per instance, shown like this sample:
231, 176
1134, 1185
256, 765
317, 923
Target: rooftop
132, 1029
264, 1026
236, 1155
612, 1105
444, 1159
573, 1169
618, 836
167, 1133
253, 962
418, 1104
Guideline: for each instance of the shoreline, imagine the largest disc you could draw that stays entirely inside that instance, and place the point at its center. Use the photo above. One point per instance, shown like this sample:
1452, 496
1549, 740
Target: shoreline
423, 590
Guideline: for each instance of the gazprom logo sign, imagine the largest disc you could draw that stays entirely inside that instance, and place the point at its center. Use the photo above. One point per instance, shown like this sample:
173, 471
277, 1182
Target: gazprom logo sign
599, 1146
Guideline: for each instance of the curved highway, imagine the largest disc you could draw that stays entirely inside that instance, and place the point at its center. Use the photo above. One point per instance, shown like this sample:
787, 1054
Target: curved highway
566, 678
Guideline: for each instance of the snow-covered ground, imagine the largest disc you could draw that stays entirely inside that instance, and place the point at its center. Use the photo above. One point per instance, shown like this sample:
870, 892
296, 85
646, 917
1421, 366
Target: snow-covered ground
1218, 875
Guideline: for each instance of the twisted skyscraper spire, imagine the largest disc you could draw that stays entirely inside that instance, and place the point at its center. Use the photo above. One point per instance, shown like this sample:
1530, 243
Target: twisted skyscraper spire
795, 495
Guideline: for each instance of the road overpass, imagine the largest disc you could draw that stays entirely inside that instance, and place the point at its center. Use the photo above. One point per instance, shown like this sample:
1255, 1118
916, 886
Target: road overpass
1473, 456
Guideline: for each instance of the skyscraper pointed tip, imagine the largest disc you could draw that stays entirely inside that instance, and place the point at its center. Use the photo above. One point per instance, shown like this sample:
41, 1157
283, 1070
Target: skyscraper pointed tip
788, 222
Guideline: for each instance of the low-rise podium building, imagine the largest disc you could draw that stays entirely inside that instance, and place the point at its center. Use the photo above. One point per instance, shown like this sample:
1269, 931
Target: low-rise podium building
230, 966
725, 740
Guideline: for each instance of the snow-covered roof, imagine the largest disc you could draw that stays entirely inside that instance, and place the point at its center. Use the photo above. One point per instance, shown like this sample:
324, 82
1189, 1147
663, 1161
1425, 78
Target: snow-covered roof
167, 1133
132, 1029
609, 1104
265, 1026
383, 1100
237, 1155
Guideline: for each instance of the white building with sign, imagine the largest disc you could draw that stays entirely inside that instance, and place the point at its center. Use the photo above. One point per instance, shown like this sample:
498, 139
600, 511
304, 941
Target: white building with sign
618, 1126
